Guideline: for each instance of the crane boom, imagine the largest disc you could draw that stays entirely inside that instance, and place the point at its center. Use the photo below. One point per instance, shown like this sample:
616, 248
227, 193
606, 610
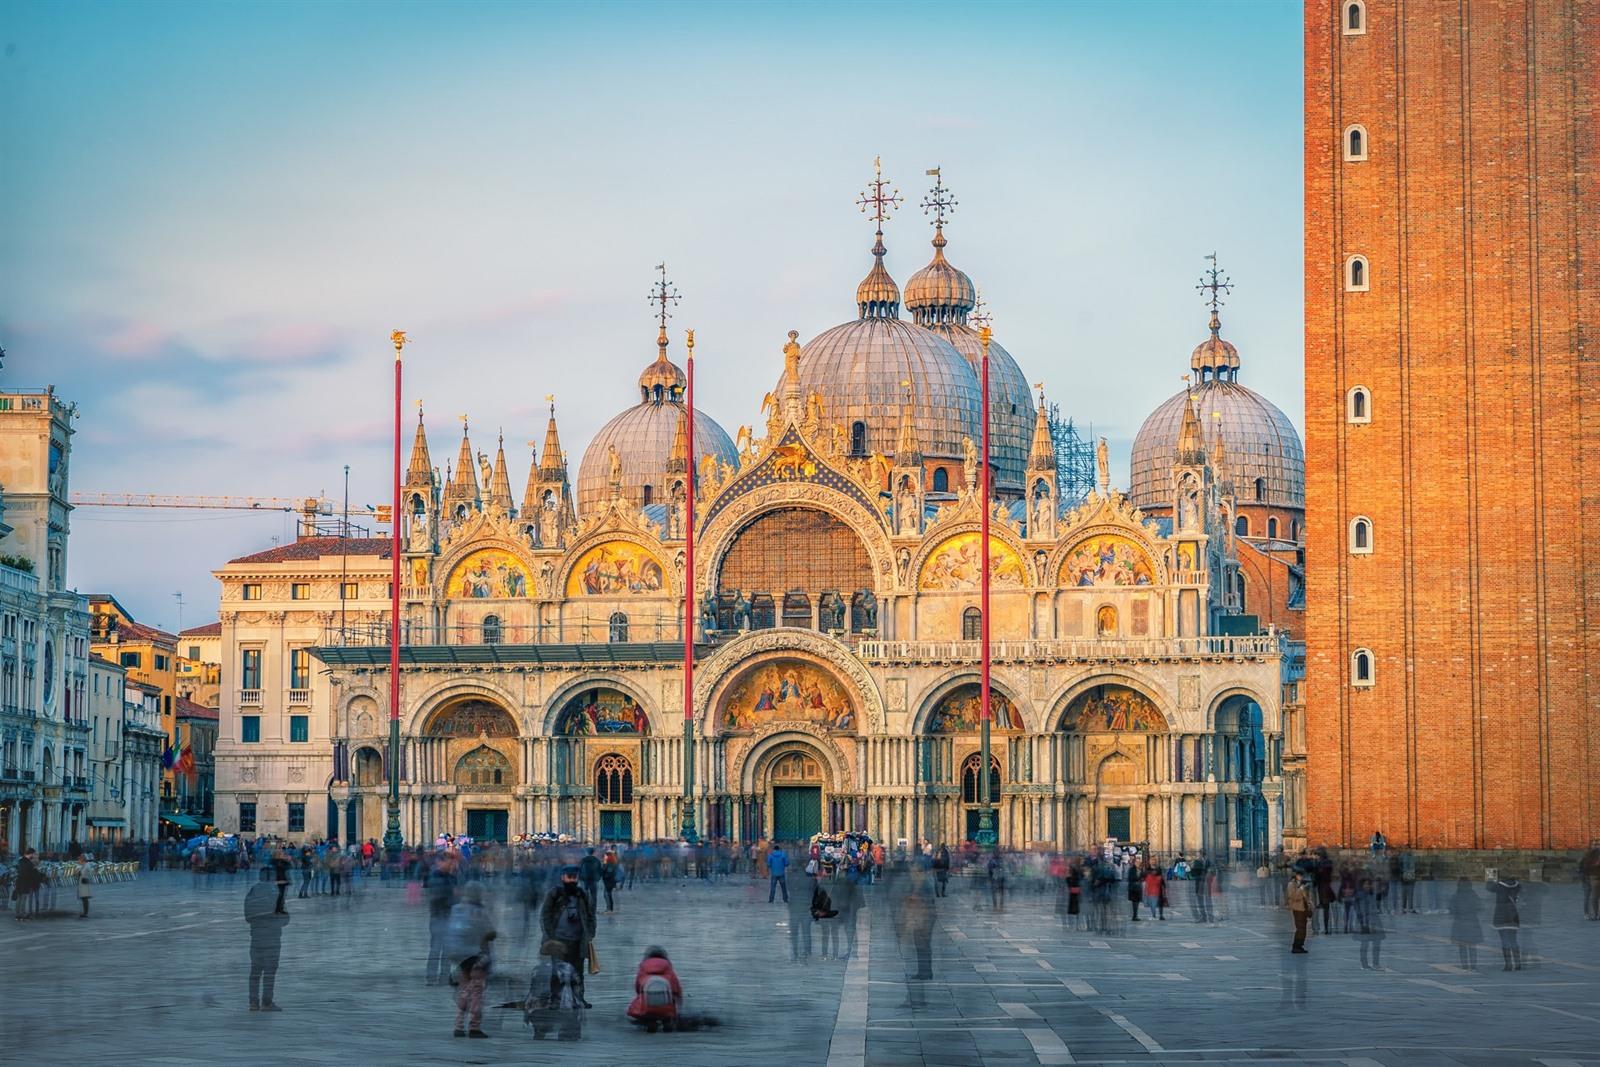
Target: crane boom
207, 503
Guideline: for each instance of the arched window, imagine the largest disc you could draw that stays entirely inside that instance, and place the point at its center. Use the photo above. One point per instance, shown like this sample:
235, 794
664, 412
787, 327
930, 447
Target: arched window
972, 625
493, 632
1357, 277
858, 438
1355, 18
1294, 530
369, 767
619, 627
1241, 526
649, 495
1355, 144
417, 506
1272, 527
969, 780
941, 480
1358, 405
1361, 535
1261, 488
613, 780
1361, 668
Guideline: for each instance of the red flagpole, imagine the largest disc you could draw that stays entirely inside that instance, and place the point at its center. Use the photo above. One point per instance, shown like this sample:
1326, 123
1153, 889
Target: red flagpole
392, 839
987, 833
688, 605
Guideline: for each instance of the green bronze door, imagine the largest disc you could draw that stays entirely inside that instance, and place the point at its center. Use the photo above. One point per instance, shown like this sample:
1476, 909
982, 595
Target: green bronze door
1119, 823
487, 824
796, 812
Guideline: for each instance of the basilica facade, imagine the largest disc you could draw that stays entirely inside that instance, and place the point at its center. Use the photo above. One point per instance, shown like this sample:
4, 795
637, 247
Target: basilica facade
835, 624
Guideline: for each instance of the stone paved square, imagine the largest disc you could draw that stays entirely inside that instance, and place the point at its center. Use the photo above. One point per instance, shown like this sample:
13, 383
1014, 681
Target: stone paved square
161, 968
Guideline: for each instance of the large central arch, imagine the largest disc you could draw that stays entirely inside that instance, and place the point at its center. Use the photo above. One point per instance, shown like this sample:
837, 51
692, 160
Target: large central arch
737, 660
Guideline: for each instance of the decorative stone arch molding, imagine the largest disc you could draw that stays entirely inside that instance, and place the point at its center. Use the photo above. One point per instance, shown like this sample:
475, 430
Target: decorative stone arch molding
1213, 701
430, 701
1012, 684
459, 549
1131, 677
1134, 532
936, 538
354, 702
713, 676
615, 530
779, 738
559, 698
724, 528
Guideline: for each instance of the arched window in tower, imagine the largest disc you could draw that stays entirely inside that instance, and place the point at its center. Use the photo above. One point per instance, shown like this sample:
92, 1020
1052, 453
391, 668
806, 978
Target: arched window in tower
1357, 277
858, 438
1261, 488
1355, 144
941, 480
1241, 526
1361, 536
618, 627
972, 625
649, 495
970, 782
1358, 405
417, 505
1272, 527
613, 780
493, 632
1355, 18
1361, 668
461, 512
660, 393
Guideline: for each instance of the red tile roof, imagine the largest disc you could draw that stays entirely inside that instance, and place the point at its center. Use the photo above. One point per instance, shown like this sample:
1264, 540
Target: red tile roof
210, 629
310, 548
128, 630
188, 709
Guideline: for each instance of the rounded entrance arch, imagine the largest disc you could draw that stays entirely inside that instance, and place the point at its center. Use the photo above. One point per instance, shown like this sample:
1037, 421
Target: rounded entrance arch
1116, 755
795, 783
473, 742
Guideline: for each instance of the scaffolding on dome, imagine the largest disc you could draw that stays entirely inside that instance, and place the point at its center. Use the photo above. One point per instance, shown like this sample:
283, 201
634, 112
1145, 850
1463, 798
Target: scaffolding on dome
1075, 462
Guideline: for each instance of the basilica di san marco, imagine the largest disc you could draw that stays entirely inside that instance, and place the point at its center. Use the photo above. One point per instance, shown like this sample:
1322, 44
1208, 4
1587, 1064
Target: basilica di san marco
836, 592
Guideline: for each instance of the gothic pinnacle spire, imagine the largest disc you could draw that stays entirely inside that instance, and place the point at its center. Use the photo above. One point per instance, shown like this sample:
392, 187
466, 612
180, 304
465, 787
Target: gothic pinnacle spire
907, 453
1042, 455
419, 473
500, 483
554, 464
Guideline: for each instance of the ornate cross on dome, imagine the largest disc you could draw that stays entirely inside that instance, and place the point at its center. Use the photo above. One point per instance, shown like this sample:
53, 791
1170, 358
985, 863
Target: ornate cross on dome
663, 293
881, 204
938, 203
1216, 282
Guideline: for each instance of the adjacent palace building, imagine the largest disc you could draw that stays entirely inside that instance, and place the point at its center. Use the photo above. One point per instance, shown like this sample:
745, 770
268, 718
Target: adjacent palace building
836, 591
1453, 421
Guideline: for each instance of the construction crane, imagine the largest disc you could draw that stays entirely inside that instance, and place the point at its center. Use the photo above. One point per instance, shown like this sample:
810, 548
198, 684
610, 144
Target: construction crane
205, 503
311, 509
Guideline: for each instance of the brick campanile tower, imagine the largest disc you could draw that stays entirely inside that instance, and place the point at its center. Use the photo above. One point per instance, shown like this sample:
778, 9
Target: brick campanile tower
1453, 422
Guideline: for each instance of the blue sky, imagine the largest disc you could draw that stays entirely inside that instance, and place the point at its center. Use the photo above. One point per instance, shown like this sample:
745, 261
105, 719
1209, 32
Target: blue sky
212, 215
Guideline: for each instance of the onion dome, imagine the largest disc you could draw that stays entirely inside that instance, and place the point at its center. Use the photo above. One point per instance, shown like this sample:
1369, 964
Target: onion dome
643, 438
940, 292
1261, 448
878, 296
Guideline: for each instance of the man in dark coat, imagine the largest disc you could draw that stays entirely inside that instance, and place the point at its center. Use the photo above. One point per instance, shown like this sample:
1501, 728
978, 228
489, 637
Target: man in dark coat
567, 916
25, 887
266, 939
589, 875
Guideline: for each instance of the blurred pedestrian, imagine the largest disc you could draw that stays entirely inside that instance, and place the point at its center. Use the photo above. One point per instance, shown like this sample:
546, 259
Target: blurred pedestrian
1298, 901
1506, 920
778, 867
1466, 928
1369, 918
567, 916
266, 924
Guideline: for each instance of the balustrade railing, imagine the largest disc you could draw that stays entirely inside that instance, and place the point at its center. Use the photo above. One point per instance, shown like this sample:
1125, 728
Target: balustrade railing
250, 696
299, 696
599, 628
1092, 649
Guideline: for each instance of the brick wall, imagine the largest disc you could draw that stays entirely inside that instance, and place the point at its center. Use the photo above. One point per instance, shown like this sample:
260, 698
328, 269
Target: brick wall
1477, 209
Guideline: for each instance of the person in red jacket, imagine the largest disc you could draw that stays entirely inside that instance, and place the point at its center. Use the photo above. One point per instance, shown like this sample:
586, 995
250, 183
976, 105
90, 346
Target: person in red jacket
657, 992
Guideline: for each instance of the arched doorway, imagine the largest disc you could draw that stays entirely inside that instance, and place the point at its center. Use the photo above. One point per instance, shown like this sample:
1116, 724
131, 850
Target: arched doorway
613, 795
1113, 737
471, 743
972, 798
795, 781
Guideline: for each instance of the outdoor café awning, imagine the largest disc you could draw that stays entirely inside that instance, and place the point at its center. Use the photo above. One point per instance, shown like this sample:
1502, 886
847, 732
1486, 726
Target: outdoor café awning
96, 820
182, 822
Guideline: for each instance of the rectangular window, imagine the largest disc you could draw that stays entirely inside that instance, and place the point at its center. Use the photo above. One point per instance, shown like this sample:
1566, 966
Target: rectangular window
297, 817
194, 652
300, 668
250, 729
350, 591
250, 668
252, 591
299, 728
247, 816
300, 591
162, 662
132, 659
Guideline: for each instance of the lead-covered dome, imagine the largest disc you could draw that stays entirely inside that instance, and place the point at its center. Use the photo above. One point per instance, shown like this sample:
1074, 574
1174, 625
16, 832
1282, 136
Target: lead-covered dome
860, 370
1260, 445
643, 437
